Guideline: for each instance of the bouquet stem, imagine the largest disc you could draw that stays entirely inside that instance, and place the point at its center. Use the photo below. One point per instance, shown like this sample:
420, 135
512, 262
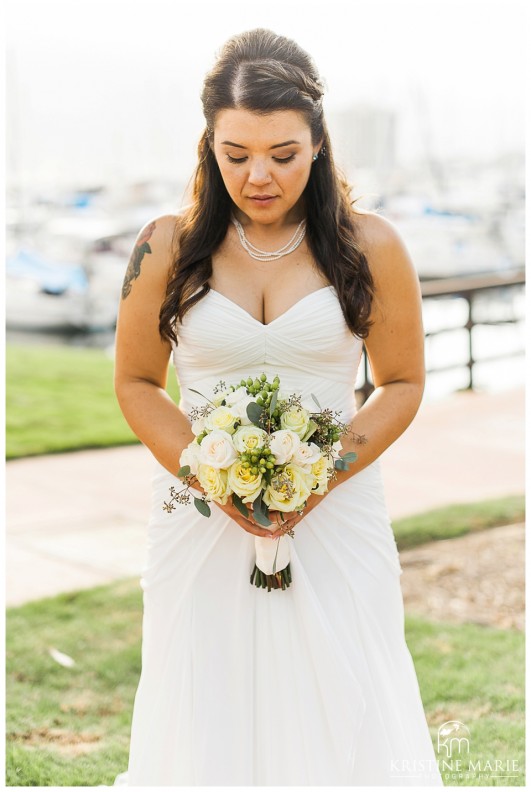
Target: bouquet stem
278, 580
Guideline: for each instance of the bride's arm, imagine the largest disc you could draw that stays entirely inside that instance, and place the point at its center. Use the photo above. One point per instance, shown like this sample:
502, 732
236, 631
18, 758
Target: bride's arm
395, 346
142, 357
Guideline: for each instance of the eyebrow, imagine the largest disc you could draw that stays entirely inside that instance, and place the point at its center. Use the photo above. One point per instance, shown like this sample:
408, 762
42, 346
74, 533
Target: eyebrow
277, 145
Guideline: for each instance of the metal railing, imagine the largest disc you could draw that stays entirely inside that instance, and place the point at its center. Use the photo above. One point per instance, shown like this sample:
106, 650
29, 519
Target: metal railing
468, 288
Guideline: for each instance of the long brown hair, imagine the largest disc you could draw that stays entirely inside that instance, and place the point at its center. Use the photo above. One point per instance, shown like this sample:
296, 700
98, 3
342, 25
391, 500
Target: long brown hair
261, 71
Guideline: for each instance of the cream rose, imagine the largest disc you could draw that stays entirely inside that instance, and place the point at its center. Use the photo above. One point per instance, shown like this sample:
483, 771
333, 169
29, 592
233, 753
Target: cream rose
220, 397
217, 450
297, 419
306, 455
235, 396
322, 470
221, 418
248, 438
244, 483
283, 443
191, 456
215, 483
289, 489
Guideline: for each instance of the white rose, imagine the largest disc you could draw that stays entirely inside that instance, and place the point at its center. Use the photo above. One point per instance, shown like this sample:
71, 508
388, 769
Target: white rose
336, 448
297, 419
191, 456
239, 393
198, 425
306, 454
283, 443
240, 409
221, 418
217, 450
247, 438
220, 397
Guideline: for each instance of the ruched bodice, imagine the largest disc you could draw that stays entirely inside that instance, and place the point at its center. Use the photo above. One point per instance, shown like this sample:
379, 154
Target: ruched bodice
309, 346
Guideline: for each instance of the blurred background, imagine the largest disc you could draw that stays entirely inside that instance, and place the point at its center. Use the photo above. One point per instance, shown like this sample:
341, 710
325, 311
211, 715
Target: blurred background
425, 105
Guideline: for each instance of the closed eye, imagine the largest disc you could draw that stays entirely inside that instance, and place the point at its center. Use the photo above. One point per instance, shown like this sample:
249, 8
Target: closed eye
277, 159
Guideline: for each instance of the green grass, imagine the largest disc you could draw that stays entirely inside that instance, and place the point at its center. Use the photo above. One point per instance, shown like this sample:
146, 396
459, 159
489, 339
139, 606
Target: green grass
71, 726
62, 399
475, 675
457, 520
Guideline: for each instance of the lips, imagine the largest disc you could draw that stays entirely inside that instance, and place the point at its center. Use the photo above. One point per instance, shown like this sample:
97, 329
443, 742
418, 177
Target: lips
262, 197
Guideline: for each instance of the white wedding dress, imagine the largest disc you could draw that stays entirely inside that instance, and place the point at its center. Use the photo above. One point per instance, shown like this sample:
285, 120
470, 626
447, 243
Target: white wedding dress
313, 685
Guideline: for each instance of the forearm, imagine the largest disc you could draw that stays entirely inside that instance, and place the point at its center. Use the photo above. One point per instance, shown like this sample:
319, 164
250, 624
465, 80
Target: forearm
379, 422
156, 420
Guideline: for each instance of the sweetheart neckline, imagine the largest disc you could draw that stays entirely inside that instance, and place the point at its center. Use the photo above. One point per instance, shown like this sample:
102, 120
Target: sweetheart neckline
278, 318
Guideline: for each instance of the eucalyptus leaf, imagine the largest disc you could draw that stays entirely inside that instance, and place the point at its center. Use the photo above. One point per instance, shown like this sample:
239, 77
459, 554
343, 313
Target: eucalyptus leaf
260, 511
198, 393
315, 400
350, 456
254, 411
262, 519
273, 404
340, 465
183, 471
240, 505
202, 507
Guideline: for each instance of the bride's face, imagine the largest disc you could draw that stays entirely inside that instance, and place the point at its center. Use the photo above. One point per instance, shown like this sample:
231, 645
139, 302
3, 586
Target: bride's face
264, 155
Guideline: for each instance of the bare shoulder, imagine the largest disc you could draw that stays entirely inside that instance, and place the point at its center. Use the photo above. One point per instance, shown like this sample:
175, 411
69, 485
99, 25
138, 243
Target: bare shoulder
383, 245
154, 251
396, 282
161, 234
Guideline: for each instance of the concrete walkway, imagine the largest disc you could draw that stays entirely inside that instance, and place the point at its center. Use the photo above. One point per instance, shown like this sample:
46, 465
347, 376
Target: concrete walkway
78, 520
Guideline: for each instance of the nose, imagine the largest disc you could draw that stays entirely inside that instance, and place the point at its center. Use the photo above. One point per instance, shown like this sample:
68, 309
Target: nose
258, 173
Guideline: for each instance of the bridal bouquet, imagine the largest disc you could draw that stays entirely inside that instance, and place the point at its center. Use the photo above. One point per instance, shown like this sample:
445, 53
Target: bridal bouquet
258, 447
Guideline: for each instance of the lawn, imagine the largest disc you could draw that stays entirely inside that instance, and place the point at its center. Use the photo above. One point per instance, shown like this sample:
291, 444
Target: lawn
62, 398
459, 519
71, 726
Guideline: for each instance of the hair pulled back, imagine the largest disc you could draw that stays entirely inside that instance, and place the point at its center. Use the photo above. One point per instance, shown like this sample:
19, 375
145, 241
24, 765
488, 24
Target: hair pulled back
261, 71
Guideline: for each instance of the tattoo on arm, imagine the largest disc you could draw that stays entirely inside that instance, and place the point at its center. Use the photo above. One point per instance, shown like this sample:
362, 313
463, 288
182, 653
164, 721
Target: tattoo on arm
133, 268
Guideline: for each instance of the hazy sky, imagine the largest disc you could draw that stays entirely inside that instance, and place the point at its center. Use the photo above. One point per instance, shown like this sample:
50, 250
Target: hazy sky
101, 89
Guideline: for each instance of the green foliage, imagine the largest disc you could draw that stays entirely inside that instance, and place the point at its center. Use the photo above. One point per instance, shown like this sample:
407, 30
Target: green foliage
61, 399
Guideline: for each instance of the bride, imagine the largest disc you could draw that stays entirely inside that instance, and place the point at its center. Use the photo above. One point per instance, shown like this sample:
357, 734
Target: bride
271, 269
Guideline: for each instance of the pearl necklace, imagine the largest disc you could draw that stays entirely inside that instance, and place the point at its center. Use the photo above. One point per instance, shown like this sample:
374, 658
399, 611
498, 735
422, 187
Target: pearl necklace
267, 255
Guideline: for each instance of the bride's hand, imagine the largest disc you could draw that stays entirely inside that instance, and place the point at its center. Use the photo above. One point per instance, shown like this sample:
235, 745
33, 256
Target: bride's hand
247, 523
284, 520
288, 520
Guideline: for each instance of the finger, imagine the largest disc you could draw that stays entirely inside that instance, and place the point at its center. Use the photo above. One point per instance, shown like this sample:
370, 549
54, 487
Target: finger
288, 525
254, 528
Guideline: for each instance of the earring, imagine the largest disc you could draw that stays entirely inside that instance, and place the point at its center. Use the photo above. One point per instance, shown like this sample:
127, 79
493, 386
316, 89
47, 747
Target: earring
315, 156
